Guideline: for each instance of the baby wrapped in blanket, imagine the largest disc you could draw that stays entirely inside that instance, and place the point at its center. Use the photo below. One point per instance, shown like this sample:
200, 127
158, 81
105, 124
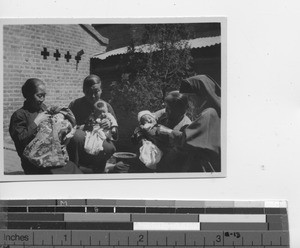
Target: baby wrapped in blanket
48, 148
95, 134
150, 153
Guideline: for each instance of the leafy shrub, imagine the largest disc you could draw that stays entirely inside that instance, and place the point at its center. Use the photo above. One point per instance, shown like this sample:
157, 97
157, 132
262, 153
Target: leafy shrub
153, 69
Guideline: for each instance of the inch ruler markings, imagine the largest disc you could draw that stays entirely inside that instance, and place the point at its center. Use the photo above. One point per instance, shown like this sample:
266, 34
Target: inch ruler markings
143, 223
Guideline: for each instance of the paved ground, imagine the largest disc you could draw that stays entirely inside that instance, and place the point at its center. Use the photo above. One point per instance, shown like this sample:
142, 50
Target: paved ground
12, 163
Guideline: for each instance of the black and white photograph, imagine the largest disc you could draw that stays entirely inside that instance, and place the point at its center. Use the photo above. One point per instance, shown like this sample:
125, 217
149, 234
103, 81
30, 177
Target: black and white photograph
159, 117
135, 99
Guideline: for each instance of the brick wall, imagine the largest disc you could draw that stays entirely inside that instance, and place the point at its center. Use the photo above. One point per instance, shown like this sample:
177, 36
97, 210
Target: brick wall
22, 46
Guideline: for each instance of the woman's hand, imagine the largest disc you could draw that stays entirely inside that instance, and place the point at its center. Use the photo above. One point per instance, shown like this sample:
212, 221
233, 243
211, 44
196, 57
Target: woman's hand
41, 117
164, 130
81, 127
105, 124
69, 136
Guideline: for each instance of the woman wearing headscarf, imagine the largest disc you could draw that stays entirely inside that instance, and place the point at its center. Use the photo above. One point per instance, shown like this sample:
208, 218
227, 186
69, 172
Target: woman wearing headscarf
25, 125
197, 147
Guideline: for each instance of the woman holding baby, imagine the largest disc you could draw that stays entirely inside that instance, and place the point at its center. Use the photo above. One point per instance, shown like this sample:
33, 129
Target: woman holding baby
191, 146
173, 117
197, 147
24, 125
88, 111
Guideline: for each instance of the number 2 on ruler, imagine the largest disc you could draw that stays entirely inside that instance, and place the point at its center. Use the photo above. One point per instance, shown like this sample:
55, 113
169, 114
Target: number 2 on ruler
141, 238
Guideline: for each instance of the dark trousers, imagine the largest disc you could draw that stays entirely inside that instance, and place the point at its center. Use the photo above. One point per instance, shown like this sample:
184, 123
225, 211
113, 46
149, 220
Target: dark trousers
179, 160
31, 169
80, 157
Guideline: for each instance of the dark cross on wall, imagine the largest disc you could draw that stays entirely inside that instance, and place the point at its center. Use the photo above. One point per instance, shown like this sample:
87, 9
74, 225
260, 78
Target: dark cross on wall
68, 56
45, 53
56, 55
78, 58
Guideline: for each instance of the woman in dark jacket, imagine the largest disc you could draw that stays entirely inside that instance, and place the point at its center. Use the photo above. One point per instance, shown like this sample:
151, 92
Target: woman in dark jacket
197, 147
24, 126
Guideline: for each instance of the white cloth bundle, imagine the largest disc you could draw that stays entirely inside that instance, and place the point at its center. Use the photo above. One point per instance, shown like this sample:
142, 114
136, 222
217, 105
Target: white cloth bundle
94, 141
150, 154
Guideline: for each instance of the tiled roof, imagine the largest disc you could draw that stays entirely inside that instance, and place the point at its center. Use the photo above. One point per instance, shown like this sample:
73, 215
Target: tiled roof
146, 48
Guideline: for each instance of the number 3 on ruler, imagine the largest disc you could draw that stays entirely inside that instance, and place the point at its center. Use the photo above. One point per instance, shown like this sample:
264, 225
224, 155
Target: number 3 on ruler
218, 238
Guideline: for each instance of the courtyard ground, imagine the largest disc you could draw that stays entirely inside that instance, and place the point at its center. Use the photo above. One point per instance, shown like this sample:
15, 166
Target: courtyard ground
12, 162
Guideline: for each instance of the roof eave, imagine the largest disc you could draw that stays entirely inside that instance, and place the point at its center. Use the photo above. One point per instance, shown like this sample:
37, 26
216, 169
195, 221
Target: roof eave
95, 34
193, 44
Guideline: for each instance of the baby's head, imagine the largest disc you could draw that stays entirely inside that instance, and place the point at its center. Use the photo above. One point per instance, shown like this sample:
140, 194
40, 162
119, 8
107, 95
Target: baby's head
145, 117
58, 117
100, 109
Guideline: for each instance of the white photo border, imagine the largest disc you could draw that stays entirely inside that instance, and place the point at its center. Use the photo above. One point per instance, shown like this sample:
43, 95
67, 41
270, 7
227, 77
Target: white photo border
123, 176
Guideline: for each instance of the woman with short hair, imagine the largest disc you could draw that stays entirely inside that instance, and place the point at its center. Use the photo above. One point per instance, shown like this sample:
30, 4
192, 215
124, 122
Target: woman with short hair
24, 126
174, 115
82, 109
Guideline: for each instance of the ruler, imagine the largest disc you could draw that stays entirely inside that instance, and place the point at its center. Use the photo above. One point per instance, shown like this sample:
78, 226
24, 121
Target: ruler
143, 223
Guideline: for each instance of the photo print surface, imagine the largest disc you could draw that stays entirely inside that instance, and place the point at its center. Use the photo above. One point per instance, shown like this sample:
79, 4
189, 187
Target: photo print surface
107, 100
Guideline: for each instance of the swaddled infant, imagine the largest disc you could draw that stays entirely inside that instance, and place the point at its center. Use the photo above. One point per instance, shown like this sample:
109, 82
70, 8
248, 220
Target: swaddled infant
150, 153
48, 148
100, 114
95, 134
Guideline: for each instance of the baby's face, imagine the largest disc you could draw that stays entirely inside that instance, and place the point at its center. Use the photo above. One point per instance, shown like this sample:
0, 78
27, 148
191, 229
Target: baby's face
147, 119
101, 112
58, 117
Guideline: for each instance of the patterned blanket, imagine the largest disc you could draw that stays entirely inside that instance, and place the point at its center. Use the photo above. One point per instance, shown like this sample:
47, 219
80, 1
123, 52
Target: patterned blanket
48, 148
